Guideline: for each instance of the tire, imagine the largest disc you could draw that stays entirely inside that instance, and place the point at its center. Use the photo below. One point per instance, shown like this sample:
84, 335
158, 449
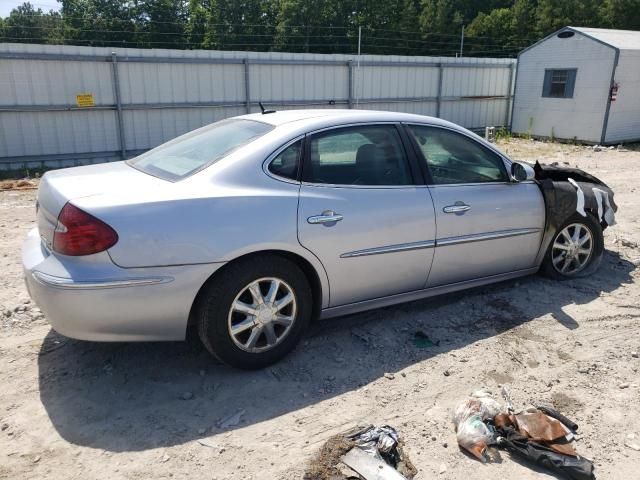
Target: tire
590, 262
218, 311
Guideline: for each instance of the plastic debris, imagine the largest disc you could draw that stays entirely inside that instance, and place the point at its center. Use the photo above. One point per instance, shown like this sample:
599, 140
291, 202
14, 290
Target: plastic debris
542, 436
371, 452
469, 419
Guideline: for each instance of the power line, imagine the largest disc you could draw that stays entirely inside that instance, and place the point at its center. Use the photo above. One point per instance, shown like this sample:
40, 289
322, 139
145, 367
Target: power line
455, 35
242, 45
280, 36
353, 28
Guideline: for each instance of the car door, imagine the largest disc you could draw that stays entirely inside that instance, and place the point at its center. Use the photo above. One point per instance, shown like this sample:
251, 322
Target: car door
363, 215
486, 223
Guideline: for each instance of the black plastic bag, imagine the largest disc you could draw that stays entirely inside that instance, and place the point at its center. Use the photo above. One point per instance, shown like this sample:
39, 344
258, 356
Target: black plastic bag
572, 468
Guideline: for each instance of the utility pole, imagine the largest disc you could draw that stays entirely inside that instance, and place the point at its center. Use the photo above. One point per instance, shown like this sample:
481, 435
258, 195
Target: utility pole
358, 65
462, 40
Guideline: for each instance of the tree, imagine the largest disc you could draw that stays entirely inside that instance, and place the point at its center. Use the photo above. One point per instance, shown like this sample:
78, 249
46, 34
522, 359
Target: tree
623, 14
487, 27
308, 26
25, 24
524, 19
410, 27
100, 22
197, 20
552, 15
161, 23
389, 26
240, 24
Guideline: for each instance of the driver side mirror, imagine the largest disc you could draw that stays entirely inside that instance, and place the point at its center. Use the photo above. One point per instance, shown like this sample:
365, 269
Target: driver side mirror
521, 172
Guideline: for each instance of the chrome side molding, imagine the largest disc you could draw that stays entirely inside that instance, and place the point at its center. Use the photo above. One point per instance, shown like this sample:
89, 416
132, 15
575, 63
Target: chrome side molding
403, 247
441, 242
479, 237
69, 283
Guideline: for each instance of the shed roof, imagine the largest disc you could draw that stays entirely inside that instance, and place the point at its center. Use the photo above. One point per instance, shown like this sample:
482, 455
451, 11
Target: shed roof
617, 39
622, 39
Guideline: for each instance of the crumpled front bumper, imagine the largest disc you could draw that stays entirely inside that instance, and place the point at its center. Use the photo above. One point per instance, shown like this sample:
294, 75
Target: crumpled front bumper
91, 298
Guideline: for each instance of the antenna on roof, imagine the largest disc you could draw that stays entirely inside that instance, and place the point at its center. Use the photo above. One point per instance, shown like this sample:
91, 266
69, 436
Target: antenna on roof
264, 112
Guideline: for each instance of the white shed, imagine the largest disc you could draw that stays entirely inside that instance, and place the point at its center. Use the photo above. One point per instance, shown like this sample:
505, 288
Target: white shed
580, 84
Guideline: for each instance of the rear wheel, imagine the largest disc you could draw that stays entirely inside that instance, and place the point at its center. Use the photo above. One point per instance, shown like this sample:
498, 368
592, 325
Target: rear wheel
255, 312
576, 249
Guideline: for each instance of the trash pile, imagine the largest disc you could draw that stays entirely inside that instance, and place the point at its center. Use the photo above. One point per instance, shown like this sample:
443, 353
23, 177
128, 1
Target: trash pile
362, 453
539, 435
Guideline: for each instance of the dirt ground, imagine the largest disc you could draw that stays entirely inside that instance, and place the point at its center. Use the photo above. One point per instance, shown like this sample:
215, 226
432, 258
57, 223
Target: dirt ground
71, 409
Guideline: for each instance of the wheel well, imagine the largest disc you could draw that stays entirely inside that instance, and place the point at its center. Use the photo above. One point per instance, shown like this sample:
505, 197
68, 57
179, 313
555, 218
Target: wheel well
305, 266
594, 214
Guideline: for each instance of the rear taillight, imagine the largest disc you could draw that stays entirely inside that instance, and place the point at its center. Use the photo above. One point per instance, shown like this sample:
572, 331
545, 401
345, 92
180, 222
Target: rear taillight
78, 233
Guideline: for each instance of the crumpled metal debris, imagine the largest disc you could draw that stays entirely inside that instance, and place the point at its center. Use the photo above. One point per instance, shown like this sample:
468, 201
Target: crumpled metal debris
376, 440
369, 467
371, 452
383, 443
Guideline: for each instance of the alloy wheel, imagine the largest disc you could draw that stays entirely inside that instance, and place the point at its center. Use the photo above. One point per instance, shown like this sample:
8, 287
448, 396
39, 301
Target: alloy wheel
262, 314
572, 249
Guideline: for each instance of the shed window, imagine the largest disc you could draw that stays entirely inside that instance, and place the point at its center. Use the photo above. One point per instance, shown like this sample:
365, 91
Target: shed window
559, 83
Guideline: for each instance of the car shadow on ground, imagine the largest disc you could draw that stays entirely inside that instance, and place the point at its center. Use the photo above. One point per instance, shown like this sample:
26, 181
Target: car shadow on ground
137, 396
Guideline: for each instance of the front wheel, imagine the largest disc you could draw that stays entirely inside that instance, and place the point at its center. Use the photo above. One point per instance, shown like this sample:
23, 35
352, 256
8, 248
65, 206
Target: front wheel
576, 249
255, 312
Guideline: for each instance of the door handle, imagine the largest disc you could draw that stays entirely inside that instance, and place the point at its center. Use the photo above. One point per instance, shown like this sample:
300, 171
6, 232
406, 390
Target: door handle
328, 216
459, 207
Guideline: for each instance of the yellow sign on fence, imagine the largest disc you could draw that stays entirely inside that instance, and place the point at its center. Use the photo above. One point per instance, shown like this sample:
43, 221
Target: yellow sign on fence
85, 100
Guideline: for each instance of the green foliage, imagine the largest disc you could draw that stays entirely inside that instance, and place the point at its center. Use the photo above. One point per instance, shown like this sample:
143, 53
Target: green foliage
555, 14
624, 14
26, 24
99, 22
239, 24
503, 134
161, 23
403, 27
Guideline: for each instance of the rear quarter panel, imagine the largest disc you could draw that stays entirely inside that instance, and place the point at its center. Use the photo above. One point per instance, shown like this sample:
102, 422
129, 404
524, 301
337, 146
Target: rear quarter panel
231, 209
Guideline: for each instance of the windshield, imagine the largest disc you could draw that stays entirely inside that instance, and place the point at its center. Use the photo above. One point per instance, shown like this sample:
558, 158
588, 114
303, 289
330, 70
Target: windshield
196, 150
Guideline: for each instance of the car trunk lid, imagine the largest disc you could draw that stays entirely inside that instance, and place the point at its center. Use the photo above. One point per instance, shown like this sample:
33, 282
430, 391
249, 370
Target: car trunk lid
58, 187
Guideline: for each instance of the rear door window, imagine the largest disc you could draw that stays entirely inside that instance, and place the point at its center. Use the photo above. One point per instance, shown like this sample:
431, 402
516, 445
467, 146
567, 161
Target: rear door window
361, 155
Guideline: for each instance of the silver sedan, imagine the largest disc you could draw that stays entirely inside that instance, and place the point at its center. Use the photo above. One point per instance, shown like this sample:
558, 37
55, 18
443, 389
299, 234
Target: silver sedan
251, 227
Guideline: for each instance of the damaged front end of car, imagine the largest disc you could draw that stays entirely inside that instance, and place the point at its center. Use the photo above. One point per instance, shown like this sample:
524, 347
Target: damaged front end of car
568, 191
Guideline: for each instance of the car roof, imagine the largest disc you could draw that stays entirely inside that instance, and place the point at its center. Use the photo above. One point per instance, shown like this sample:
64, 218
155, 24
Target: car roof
312, 117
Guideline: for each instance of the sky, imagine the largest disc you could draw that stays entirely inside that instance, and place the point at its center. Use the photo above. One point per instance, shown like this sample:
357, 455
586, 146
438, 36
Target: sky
7, 5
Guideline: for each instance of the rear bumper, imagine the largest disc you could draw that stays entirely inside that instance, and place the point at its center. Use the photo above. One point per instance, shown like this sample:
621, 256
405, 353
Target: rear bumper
90, 298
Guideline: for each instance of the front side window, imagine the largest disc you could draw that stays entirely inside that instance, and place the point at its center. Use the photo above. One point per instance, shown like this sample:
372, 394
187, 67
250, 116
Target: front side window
455, 158
286, 162
559, 83
196, 150
362, 155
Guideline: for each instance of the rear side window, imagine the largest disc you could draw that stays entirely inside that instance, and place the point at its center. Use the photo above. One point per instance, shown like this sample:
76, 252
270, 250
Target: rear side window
286, 164
455, 158
196, 150
362, 155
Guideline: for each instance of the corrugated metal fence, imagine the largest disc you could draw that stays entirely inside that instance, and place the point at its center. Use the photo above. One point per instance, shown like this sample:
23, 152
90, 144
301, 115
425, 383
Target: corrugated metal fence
136, 99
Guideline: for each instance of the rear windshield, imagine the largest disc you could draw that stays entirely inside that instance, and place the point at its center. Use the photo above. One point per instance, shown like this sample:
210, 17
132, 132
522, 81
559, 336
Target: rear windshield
196, 150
